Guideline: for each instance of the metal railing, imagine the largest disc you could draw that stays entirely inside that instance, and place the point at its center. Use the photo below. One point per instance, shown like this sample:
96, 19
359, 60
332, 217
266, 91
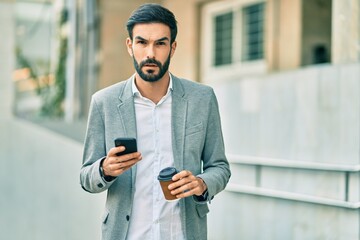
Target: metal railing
260, 162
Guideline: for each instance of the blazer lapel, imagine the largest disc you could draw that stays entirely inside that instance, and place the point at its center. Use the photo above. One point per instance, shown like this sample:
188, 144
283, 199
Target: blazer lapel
128, 119
127, 110
179, 110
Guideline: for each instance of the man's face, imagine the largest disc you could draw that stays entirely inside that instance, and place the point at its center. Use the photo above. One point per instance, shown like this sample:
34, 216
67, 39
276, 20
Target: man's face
151, 50
148, 65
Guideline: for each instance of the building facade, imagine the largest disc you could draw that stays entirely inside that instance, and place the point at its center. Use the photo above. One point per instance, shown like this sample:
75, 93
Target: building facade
286, 73
287, 77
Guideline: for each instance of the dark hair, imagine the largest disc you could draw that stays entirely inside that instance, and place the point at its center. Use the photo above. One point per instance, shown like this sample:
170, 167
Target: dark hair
152, 13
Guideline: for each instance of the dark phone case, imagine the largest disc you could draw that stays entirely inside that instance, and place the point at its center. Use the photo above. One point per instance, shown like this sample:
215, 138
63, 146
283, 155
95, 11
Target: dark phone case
128, 143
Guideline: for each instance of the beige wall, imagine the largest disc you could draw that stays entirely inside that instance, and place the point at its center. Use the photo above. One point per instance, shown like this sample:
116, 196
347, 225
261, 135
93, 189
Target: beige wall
291, 32
185, 61
289, 36
283, 34
346, 31
116, 64
272, 34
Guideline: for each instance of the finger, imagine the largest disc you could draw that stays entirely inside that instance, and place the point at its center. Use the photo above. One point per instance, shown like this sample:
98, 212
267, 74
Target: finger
115, 150
186, 194
128, 157
182, 174
115, 167
182, 181
185, 188
125, 164
179, 183
120, 170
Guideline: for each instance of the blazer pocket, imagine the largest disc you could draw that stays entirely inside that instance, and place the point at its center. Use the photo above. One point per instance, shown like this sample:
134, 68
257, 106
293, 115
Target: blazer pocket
194, 129
202, 210
105, 217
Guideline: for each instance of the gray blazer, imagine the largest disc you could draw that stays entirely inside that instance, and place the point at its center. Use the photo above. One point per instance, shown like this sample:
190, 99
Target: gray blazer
197, 145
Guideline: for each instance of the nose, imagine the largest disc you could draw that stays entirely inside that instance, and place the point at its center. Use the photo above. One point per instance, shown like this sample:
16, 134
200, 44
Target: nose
150, 52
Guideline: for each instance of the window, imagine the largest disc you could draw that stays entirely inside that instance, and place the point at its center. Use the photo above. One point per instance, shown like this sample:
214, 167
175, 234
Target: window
253, 34
223, 38
232, 39
238, 34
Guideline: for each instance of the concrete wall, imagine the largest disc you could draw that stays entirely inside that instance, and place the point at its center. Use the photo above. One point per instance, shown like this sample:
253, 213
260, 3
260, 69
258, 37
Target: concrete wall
293, 142
242, 216
311, 114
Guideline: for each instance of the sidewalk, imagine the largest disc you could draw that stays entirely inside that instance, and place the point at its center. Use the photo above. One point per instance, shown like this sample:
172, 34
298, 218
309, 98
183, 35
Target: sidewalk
75, 130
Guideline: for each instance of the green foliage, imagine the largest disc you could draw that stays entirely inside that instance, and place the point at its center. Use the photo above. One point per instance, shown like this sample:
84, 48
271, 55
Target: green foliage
52, 95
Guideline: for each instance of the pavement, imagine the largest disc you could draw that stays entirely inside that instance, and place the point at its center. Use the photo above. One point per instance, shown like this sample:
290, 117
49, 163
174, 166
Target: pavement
74, 130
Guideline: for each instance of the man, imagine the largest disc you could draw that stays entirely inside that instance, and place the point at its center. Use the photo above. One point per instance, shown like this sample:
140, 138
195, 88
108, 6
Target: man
176, 123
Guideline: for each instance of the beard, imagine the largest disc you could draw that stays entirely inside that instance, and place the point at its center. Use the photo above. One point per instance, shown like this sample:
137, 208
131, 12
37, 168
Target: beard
149, 75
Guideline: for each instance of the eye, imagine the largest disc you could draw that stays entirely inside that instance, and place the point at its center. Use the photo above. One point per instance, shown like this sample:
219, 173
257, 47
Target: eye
160, 43
141, 41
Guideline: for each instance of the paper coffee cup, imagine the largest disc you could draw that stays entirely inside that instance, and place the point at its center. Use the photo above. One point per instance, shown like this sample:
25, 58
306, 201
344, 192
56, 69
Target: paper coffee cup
165, 178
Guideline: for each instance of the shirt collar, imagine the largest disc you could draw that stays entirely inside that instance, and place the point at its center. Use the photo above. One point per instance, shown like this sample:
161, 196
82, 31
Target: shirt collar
136, 91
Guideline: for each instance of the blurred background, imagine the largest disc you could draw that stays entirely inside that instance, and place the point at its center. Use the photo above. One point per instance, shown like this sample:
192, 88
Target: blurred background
287, 77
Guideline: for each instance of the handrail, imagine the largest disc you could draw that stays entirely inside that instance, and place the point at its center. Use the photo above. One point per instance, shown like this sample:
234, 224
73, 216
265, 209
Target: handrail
275, 162
295, 164
290, 196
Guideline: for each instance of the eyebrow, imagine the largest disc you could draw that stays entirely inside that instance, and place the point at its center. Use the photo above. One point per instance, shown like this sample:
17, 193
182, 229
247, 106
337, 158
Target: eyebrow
163, 39
158, 40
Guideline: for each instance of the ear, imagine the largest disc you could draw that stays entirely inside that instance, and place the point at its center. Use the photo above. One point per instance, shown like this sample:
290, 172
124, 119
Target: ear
173, 48
129, 46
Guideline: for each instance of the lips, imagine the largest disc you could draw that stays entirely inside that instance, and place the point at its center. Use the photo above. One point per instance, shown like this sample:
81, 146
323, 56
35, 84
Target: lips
150, 65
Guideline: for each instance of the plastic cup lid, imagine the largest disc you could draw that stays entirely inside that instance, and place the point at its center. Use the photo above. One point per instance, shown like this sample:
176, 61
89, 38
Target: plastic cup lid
167, 173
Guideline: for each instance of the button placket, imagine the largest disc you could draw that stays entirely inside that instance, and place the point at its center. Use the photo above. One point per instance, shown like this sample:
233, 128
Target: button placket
156, 165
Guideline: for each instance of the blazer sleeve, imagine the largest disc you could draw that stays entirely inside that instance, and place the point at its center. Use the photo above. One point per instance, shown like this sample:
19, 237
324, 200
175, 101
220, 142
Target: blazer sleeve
94, 151
216, 171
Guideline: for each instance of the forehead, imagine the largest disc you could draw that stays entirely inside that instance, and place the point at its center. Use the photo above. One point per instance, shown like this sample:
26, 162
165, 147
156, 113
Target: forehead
151, 31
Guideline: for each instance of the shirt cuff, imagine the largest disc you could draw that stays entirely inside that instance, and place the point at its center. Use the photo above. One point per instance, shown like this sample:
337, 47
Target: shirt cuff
202, 197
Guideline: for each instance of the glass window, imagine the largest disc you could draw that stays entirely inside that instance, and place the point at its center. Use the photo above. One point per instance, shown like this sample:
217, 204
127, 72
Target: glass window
223, 38
253, 34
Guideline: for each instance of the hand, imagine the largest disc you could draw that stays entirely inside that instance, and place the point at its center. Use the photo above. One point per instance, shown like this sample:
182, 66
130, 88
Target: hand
186, 184
114, 165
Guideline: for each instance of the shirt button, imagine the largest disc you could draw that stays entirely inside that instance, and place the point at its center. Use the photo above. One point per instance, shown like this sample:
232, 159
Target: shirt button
100, 185
127, 217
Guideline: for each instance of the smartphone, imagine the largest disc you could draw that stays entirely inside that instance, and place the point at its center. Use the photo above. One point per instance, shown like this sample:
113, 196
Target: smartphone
128, 143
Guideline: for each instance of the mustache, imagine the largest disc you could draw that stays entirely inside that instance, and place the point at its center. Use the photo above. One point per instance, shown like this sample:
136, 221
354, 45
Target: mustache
150, 61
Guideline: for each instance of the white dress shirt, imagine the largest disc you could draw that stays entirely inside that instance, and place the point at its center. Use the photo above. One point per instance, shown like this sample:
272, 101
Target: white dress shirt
152, 216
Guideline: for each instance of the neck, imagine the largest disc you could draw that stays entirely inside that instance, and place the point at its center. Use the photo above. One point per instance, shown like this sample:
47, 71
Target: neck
153, 90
